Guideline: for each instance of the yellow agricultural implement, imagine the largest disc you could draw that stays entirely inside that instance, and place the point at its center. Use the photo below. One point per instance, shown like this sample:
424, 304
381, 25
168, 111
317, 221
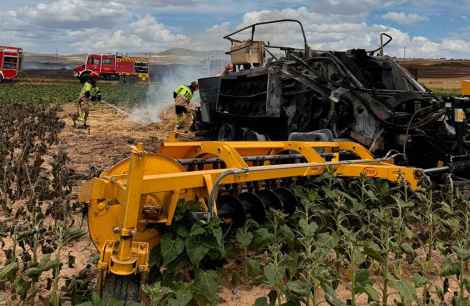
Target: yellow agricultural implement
465, 88
129, 199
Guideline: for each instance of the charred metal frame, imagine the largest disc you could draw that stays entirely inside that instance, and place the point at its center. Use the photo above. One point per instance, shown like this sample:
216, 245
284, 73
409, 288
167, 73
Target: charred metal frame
399, 113
253, 30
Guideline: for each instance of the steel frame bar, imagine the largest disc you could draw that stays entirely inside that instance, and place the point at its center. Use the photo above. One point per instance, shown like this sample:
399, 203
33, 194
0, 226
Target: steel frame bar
124, 254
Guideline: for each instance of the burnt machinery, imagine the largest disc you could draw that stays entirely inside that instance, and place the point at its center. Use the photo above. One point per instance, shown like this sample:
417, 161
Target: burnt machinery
305, 94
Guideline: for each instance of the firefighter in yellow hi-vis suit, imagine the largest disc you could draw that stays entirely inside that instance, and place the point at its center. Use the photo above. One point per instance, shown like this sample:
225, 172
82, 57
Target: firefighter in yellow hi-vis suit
89, 92
183, 95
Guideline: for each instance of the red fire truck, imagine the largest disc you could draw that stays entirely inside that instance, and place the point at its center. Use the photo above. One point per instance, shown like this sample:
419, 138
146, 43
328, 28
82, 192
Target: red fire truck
10, 62
114, 67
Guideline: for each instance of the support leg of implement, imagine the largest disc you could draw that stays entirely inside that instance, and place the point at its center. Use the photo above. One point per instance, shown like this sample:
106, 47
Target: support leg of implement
227, 179
126, 257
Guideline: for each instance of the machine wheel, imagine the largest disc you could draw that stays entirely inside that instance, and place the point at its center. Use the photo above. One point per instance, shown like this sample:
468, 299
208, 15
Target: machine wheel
123, 289
251, 135
1, 78
227, 132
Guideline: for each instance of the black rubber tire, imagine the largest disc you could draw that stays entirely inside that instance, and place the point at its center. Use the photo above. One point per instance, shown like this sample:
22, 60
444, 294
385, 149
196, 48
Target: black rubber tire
251, 135
227, 132
124, 289
1, 78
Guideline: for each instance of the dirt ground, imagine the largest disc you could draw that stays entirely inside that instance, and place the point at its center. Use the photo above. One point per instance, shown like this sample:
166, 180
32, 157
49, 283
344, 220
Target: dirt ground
443, 83
108, 139
107, 142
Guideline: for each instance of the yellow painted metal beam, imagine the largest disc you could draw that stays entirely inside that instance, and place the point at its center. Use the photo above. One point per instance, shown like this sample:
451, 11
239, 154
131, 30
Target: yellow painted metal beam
200, 179
117, 198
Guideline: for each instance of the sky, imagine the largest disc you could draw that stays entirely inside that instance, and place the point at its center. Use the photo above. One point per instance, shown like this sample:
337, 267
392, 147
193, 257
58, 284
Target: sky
420, 28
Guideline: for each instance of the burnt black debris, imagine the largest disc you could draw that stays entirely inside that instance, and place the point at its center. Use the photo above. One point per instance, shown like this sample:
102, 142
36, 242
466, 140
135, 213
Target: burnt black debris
325, 95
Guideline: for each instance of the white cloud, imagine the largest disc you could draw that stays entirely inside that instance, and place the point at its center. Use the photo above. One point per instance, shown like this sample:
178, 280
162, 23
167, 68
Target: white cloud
146, 34
404, 18
87, 25
179, 6
334, 32
133, 25
212, 38
73, 13
351, 7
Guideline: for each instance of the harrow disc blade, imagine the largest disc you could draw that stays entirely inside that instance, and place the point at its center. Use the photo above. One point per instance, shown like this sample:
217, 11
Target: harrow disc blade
253, 206
270, 199
288, 198
231, 211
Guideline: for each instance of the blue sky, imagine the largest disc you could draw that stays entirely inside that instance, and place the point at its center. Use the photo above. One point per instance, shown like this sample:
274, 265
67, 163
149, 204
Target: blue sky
426, 28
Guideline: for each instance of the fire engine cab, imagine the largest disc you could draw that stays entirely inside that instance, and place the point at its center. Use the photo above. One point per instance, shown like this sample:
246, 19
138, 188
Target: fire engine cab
114, 67
10, 62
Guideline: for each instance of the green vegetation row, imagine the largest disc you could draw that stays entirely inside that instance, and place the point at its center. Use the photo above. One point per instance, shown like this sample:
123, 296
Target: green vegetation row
61, 93
36, 206
376, 241
379, 242
445, 92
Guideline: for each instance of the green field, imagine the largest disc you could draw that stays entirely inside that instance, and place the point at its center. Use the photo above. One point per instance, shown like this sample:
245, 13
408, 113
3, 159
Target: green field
60, 93
445, 92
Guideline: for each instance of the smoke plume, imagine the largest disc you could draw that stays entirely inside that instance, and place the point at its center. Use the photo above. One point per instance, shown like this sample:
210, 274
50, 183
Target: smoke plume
160, 94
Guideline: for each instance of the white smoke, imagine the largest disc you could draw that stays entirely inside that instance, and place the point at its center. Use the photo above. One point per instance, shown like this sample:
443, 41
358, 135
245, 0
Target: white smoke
160, 94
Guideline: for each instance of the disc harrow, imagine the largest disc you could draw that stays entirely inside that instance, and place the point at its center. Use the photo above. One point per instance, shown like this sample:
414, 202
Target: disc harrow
232, 180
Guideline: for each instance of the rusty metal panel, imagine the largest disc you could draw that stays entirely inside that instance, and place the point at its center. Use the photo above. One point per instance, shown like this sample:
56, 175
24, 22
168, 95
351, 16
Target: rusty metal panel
247, 52
273, 101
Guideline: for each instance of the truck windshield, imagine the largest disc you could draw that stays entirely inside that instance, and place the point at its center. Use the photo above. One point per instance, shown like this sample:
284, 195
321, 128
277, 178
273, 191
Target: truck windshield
93, 61
10, 62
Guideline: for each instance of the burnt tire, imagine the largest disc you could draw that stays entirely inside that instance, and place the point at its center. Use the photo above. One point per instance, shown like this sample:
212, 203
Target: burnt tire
227, 132
124, 290
251, 135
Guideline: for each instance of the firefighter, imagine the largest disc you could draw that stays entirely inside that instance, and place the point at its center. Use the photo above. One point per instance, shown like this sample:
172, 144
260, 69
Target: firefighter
89, 92
183, 95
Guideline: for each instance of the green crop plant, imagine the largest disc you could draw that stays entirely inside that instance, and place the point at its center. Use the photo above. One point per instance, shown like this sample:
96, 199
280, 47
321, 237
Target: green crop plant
455, 217
244, 238
61, 93
35, 202
374, 240
313, 271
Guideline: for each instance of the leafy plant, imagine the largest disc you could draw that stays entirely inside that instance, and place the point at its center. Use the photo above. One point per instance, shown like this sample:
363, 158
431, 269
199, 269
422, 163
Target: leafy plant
35, 200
